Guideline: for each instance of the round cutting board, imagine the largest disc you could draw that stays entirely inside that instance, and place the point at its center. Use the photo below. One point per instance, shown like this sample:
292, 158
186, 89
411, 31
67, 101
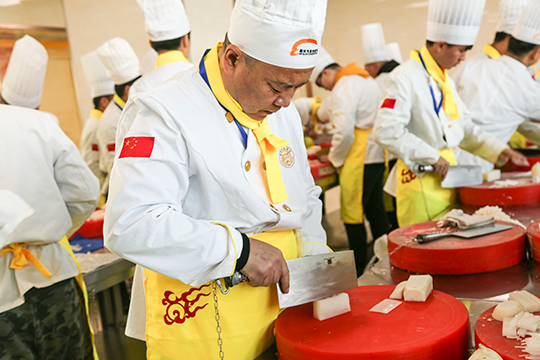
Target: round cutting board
453, 255
525, 192
488, 331
435, 329
533, 233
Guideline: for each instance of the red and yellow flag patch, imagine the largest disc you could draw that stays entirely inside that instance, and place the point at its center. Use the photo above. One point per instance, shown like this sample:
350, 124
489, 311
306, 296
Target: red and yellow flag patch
137, 146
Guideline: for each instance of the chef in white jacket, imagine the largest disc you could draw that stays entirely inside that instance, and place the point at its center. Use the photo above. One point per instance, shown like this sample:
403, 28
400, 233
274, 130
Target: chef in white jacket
422, 118
377, 60
500, 94
122, 67
212, 177
102, 91
168, 27
42, 309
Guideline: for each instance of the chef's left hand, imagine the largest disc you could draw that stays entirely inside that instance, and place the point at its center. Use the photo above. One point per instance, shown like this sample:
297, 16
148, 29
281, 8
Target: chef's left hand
517, 157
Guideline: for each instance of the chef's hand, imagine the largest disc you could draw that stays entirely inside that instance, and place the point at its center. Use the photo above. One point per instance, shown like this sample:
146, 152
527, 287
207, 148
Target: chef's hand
517, 157
266, 266
324, 159
441, 167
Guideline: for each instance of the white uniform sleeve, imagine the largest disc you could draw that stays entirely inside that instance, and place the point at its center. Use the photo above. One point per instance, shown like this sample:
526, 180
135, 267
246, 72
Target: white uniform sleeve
343, 118
144, 218
531, 130
78, 186
106, 138
390, 128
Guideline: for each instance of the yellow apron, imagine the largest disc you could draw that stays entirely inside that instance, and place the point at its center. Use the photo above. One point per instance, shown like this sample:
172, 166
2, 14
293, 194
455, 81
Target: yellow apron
181, 319
351, 179
518, 141
422, 199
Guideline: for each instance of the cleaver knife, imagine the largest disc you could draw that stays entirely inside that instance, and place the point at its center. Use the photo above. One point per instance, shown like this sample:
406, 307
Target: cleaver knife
465, 233
458, 175
318, 276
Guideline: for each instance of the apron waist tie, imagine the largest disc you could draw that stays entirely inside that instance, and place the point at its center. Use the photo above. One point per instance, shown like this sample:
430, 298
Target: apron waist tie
22, 256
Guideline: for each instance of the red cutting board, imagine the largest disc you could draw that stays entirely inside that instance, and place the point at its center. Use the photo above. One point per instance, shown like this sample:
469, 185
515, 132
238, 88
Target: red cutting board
435, 329
453, 255
488, 331
525, 192
533, 233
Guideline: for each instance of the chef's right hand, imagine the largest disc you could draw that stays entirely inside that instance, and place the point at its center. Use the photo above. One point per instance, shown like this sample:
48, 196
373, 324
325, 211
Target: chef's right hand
441, 167
266, 266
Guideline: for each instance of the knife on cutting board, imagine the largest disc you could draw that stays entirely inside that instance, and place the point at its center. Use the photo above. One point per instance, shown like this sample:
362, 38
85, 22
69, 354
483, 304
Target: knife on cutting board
318, 276
465, 233
458, 175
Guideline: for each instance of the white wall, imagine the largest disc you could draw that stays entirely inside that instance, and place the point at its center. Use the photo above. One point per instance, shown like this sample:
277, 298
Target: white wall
34, 13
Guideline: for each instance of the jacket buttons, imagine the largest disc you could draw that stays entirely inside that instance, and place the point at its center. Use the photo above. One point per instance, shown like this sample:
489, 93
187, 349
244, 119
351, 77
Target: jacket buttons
273, 207
229, 116
264, 165
287, 208
247, 166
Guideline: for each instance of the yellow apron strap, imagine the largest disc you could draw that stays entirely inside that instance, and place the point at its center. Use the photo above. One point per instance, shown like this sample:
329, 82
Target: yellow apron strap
422, 199
181, 319
22, 256
80, 281
351, 179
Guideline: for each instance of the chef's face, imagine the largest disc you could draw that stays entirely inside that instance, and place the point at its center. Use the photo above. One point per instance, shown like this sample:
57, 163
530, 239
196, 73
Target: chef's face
452, 55
262, 89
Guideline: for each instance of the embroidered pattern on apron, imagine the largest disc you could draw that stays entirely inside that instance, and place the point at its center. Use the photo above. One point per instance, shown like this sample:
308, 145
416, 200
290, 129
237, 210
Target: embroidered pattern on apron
178, 309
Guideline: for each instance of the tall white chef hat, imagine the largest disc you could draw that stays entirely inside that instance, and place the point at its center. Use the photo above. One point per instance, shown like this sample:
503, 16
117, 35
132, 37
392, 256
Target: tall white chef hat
96, 75
148, 62
165, 19
120, 60
373, 43
510, 11
25, 74
13, 210
528, 27
323, 60
455, 22
284, 33
394, 52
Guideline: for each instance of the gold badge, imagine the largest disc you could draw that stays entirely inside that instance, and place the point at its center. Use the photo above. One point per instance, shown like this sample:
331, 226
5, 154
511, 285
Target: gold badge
286, 157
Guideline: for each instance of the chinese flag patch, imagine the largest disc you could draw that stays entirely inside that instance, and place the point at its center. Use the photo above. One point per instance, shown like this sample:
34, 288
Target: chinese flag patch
95, 147
137, 146
388, 103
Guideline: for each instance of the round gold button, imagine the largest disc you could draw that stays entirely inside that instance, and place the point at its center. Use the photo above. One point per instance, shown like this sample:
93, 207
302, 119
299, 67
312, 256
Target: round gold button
273, 207
287, 208
229, 116
264, 165
247, 166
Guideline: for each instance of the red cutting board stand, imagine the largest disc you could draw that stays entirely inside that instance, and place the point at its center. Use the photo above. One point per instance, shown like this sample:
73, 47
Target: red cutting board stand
488, 331
453, 255
533, 233
435, 329
525, 192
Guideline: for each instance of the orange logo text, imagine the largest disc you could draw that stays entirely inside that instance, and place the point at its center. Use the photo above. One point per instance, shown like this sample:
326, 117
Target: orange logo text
295, 51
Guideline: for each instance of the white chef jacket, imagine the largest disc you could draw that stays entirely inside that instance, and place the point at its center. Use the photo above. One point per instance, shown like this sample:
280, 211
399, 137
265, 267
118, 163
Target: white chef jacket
106, 136
502, 97
463, 67
197, 175
90, 148
44, 167
353, 103
413, 131
158, 75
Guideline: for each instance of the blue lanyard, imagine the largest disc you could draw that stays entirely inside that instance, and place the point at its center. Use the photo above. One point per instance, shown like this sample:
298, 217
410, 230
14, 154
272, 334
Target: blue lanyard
437, 108
204, 75
115, 103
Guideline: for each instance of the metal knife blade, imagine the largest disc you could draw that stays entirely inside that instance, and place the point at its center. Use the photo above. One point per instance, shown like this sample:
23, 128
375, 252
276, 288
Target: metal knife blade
318, 276
465, 233
458, 175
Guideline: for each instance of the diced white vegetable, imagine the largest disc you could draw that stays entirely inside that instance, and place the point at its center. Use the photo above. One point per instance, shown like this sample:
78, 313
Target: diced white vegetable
522, 332
332, 306
418, 288
515, 319
535, 173
509, 330
398, 291
492, 175
506, 309
528, 301
529, 321
485, 353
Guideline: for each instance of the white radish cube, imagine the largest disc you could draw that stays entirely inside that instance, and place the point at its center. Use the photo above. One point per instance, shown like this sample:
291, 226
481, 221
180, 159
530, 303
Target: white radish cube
492, 175
332, 306
506, 309
515, 319
528, 301
508, 329
418, 288
398, 291
529, 321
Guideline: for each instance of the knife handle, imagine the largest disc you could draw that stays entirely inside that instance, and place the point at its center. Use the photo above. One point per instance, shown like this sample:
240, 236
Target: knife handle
425, 168
235, 279
427, 237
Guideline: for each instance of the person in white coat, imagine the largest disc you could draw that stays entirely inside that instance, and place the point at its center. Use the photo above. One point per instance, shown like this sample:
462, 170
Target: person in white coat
45, 180
500, 94
122, 67
101, 91
352, 107
422, 117
212, 177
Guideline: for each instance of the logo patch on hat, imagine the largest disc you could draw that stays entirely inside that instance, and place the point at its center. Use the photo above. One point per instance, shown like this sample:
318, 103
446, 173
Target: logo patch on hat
305, 47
